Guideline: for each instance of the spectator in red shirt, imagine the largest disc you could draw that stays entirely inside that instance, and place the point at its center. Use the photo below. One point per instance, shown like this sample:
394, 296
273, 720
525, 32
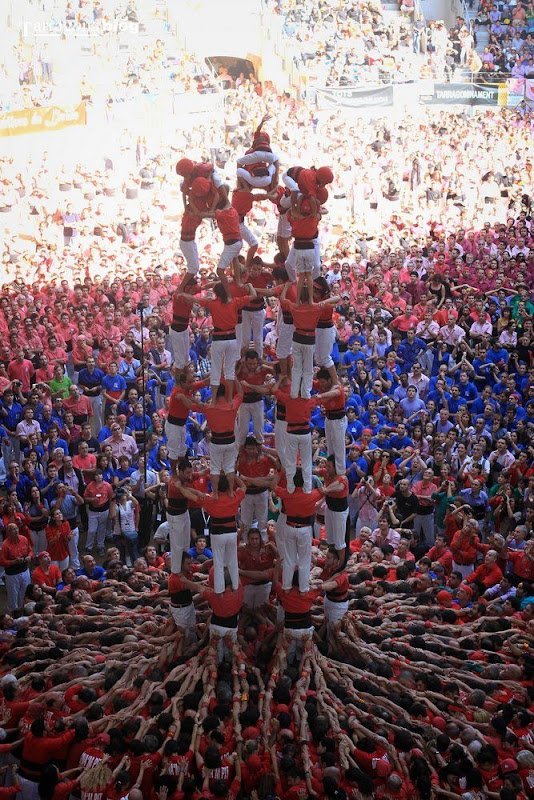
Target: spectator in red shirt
15, 556
46, 575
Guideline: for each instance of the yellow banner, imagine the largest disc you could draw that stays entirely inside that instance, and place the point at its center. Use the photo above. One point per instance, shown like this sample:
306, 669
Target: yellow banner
40, 120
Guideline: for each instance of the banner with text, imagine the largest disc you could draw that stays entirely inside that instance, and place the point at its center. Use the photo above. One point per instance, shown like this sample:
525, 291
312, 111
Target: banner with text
352, 97
41, 120
466, 94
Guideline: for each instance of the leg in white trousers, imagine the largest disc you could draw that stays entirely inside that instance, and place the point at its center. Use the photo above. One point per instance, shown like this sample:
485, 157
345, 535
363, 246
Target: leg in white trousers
324, 343
224, 548
15, 588
336, 527
253, 322
280, 441
97, 529
247, 412
335, 430
255, 507
224, 355
180, 347
302, 373
281, 536
284, 344
74, 554
290, 265
61, 565
298, 547
299, 444
190, 253
179, 537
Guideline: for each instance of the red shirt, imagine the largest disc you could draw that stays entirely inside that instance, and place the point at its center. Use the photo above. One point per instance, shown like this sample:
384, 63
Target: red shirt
298, 505
50, 578
178, 411
252, 562
489, 576
102, 494
12, 550
223, 507
221, 419
190, 223
523, 566
304, 227
225, 315
259, 468
57, 538
305, 316
227, 603
242, 202
298, 410
21, 372
228, 224
293, 601
336, 403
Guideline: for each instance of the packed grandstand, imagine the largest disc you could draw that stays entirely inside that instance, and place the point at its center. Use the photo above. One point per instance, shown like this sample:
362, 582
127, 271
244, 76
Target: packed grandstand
266, 419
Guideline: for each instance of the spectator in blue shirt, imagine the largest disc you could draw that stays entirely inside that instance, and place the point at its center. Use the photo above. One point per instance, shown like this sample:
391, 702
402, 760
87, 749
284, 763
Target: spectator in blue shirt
410, 350
91, 569
412, 403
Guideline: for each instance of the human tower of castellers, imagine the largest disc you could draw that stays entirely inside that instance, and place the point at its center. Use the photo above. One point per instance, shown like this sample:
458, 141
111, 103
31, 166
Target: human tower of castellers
305, 334
295, 662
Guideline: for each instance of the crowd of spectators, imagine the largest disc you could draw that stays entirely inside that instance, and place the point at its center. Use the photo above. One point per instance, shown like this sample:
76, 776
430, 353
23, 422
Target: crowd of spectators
510, 49
69, 53
340, 45
425, 686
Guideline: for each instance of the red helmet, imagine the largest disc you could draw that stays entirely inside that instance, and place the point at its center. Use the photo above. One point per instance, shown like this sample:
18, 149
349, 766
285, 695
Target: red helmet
322, 194
184, 167
324, 175
200, 187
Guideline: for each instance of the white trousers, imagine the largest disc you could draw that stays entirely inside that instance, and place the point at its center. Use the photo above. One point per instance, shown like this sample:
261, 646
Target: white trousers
336, 527
464, 569
284, 344
247, 412
298, 547
222, 458
247, 235
252, 331
175, 440
223, 634
283, 230
184, 618
302, 372
97, 528
291, 261
230, 251
224, 548
190, 253
335, 430
179, 538
299, 445
224, 355
180, 347
324, 343
255, 507
334, 612
74, 554
280, 442
256, 596
304, 260
281, 536
15, 588
61, 565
